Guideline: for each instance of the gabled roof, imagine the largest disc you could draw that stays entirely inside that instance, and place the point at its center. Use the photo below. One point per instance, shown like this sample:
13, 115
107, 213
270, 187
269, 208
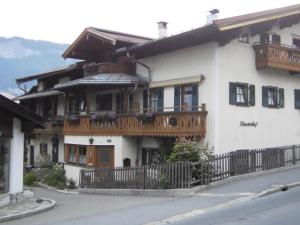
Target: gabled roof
20, 111
50, 73
219, 31
105, 79
41, 94
104, 36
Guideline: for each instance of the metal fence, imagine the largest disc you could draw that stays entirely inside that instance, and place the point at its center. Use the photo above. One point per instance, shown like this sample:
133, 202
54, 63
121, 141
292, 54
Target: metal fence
186, 174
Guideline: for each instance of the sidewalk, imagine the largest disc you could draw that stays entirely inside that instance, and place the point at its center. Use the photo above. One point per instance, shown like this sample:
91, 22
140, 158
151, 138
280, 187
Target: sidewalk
25, 209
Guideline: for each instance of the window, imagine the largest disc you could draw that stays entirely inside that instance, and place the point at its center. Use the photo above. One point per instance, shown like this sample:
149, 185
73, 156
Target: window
157, 99
72, 154
186, 98
145, 100
270, 38
272, 97
43, 149
119, 103
296, 43
77, 103
241, 94
244, 37
82, 155
104, 102
150, 156
297, 98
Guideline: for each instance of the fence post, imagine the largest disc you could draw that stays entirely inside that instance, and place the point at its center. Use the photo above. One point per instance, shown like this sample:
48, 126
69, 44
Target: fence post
189, 175
294, 154
144, 176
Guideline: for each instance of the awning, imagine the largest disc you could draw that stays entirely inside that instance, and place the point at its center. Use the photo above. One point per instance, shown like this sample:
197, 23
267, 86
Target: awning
39, 95
105, 79
174, 82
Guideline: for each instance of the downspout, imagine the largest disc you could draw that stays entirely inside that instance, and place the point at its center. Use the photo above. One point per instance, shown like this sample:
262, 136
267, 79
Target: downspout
149, 73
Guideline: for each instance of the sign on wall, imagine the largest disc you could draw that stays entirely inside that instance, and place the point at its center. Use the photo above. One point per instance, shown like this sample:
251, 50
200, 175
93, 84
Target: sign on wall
248, 124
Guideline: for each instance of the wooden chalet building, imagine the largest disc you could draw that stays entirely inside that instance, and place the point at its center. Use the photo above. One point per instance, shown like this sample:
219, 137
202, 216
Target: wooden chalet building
232, 83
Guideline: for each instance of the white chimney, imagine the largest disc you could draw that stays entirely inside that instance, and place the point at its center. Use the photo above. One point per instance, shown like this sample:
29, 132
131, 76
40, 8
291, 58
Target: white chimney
213, 15
162, 29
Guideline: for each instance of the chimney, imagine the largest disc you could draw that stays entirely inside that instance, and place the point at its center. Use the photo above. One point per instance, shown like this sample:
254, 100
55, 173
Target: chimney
213, 15
162, 29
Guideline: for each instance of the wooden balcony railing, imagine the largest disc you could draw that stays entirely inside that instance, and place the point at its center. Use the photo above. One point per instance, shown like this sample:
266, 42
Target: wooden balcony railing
166, 124
277, 57
128, 68
54, 126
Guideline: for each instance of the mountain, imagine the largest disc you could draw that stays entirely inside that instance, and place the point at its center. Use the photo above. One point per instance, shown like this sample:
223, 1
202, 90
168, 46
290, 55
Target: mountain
21, 57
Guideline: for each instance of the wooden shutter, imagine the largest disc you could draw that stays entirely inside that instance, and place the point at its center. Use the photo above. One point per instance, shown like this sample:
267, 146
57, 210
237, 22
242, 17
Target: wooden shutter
177, 99
252, 95
160, 100
195, 98
297, 99
281, 97
232, 93
264, 96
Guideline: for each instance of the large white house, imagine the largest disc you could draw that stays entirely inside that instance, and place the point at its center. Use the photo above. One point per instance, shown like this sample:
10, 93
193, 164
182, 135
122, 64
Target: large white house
233, 83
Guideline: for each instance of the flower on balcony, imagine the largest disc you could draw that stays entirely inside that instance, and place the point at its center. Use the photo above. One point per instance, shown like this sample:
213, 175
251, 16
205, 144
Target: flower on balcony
103, 118
146, 117
73, 118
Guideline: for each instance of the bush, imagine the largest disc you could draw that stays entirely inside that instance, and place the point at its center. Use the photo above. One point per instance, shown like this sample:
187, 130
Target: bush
55, 177
71, 184
30, 178
186, 150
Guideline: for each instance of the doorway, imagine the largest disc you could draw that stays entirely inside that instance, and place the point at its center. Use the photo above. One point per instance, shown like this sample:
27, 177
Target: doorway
55, 149
105, 156
31, 155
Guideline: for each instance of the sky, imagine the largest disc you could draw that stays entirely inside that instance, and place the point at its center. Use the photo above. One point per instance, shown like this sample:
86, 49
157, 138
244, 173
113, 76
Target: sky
63, 20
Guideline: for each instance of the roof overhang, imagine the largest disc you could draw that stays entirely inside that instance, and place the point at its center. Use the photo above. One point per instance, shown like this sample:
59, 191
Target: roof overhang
105, 79
39, 95
255, 18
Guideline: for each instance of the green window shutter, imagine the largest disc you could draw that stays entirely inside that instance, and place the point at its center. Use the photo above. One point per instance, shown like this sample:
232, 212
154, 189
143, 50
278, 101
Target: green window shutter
160, 100
281, 97
232, 93
195, 98
252, 94
297, 98
264, 96
177, 99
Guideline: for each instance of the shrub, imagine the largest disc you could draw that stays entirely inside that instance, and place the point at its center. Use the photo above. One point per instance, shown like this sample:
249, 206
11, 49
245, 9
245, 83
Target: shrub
30, 178
55, 177
186, 150
71, 184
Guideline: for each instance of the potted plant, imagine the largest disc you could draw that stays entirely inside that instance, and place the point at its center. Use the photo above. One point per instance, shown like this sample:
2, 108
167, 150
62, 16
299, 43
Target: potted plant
146, 117
73, 118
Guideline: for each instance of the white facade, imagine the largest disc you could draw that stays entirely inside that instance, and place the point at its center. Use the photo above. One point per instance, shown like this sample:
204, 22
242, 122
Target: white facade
234, 62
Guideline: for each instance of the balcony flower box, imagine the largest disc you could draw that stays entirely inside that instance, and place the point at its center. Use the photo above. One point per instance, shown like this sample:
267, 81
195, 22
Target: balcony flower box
73, 119
106, 118
146, 117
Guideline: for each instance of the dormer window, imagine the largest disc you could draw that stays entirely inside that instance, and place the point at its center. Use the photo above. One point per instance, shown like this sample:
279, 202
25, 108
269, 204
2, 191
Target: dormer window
244, 37
296, 43
270, 38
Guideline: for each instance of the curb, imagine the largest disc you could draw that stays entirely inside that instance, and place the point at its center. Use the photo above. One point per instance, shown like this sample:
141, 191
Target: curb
279, 188
29, 213
55, 189
242, 177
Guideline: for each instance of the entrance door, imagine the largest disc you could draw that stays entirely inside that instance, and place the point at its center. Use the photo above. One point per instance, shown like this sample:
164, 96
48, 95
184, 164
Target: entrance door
105, 156
55, 150
31, 155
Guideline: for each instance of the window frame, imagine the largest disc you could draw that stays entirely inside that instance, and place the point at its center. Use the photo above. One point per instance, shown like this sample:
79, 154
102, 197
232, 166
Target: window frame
296, 92
278, 97
248, 94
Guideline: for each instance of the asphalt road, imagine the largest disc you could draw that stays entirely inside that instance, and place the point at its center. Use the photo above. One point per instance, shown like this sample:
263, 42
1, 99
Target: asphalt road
282, 208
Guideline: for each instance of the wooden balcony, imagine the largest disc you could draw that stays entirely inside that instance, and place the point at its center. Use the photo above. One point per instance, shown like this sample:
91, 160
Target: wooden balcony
128, 68
166, 124
277, 57
54, 126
